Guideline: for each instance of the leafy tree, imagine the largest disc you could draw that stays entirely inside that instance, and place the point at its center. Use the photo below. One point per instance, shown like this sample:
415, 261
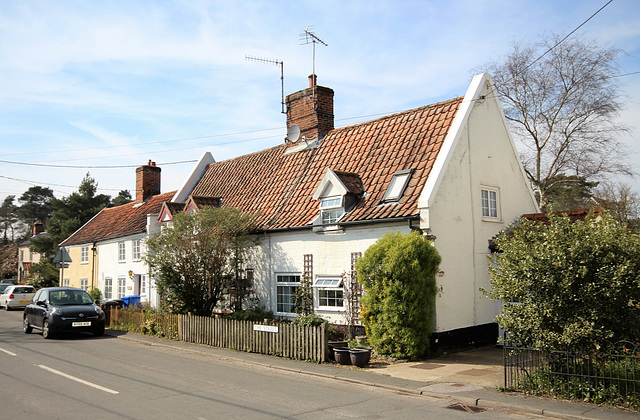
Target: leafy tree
123, 197
69, 214
8, 261
561, 100
194, 261
568, 286
36, 205
398, 274
8, 218
43, 274
564, 193
620, 199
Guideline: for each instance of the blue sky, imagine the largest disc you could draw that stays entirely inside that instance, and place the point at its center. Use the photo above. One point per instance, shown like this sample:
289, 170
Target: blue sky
118, 83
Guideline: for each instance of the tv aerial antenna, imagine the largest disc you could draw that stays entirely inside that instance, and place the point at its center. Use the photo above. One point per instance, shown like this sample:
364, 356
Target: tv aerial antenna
308, 37
279, 63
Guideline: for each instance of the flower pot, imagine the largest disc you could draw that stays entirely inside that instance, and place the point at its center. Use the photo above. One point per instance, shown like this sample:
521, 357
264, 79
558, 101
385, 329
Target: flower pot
342, 355
368, 349
333, 345
359, 357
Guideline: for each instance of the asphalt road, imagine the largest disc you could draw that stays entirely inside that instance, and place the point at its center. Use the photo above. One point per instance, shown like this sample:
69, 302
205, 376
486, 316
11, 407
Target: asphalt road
80, 376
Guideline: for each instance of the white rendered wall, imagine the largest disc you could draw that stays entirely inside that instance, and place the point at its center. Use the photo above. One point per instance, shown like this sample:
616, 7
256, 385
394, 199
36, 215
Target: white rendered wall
280, 253
483, 156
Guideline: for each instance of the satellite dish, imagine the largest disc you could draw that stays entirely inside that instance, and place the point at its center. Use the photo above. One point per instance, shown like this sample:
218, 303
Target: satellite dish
293, 133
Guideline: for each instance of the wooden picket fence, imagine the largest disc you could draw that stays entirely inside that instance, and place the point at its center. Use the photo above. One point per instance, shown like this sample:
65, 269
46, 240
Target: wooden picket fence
278, 339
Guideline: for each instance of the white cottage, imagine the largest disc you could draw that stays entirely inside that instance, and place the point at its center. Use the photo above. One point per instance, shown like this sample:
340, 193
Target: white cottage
449, 170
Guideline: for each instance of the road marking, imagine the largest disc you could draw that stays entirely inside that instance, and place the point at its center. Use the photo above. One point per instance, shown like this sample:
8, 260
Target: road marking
8, 352
82, 381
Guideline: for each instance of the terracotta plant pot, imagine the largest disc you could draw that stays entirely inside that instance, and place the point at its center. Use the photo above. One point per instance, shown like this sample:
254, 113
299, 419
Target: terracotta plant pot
360, 357
342, 355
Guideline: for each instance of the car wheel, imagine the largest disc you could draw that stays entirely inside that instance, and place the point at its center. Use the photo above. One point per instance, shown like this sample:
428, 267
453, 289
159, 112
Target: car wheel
46, 332
6, 307
99, 331
26, 327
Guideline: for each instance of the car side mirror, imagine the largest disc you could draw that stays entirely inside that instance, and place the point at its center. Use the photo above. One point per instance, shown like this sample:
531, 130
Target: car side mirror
41, 303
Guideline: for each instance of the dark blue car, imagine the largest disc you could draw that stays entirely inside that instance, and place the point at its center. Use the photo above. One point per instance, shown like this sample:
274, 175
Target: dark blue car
63, 309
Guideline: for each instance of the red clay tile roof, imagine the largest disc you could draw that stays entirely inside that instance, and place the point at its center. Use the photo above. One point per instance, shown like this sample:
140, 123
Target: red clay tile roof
115, 222
352, 182
206, 201
280, 187
574, 215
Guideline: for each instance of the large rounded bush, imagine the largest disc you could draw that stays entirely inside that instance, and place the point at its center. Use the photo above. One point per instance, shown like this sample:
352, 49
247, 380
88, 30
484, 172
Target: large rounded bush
398, 274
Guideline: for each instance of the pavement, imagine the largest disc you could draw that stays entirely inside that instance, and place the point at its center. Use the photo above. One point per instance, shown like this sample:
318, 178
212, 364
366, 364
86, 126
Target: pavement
468, 378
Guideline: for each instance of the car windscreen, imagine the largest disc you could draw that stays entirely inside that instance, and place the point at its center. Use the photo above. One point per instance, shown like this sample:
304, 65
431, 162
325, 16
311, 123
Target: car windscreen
69, 297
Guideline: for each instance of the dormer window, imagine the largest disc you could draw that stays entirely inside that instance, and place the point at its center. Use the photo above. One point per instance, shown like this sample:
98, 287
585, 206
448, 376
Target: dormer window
397, 186
331, 209
338, 193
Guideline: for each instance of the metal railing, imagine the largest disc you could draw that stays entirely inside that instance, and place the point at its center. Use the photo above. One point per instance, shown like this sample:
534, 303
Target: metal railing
612, 379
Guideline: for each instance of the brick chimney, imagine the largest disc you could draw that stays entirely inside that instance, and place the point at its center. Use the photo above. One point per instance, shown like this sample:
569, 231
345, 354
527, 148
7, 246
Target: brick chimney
313, 113
38, 227
147, 181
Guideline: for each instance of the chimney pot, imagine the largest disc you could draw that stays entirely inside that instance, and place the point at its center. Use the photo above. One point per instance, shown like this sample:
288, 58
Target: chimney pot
147, 181
311, 109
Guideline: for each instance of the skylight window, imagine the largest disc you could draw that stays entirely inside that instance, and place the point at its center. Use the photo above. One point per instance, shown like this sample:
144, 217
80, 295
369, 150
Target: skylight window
397, 185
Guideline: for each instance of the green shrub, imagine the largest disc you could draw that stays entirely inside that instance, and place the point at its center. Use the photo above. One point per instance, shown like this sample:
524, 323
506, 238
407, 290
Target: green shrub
95, 294
254, 315
568, 285
398, 274
311, 320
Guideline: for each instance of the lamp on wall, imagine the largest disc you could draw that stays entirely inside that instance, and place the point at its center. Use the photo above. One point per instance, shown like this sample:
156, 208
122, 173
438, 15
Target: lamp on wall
130, 273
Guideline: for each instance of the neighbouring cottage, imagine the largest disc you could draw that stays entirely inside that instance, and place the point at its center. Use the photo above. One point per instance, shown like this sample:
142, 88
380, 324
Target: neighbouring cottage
108, 251
449, 170
26, 256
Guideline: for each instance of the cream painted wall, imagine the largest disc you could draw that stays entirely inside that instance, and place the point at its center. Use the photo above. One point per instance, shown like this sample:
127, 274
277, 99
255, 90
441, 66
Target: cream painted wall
78, 270
483, 156
280, 253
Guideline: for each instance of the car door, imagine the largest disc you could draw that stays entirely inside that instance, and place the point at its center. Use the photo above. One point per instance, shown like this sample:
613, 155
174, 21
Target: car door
37, 312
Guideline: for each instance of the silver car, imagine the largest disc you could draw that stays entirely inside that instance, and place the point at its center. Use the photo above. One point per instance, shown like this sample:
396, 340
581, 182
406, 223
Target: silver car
16, 296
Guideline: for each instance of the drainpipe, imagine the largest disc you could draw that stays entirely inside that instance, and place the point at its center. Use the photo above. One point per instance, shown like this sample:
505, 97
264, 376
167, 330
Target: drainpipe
94, 252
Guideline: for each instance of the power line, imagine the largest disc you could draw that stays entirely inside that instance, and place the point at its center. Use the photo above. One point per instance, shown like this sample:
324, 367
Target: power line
237, 133
89, 167
570, 33
26, 181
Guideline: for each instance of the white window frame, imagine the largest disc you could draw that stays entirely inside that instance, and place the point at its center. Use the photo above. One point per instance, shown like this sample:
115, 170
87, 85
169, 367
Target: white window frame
396, 187
84, 284
122, 286
84, 254
122, 252
143, 285
66, 282
286, 280
332, 284
136, 249
108, 288
331, 209
490, 203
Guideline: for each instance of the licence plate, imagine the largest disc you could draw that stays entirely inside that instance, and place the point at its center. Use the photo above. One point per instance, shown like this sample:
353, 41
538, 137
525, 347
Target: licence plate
25, 301
81, 324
